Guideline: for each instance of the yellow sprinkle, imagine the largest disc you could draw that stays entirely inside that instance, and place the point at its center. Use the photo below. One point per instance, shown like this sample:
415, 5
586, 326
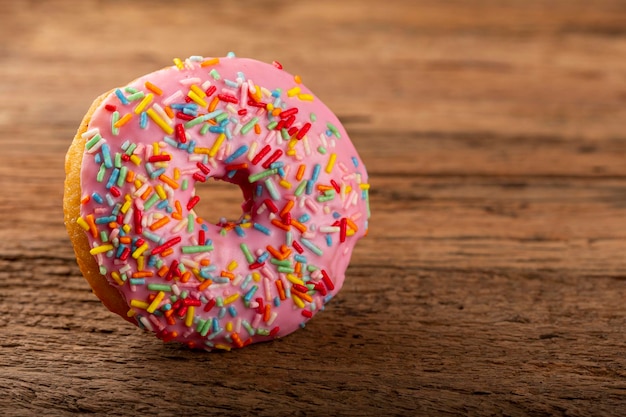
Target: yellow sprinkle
135, 159
160, 122
202, 150
209, 62
168, 181
294, 279
217, 144
305, 97
156, 90
231, 298
348, 189
142, 105
256, 276
123, 120
232, 265
126, 206
141, 263
229, 327
364, 186
297, 301
117, 278
189, 318
178, 63
101, 249
139, 304
155, 303
130, 313
160, 192
297, 79
156, 149
292, 143
350, 232
82, 223
192, 95
285, 184
293, 91
197, 90
331, 162
222, 346
126, 228
291, 152
141, 249
176, 174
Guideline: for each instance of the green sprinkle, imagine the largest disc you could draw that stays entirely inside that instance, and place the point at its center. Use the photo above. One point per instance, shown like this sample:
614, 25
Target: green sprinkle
262, 174
263, 332
151, 201
101, 172
324, 198
333, 129
130, 90
205, 328
122, 176
204, 129
313, 117
114, 118
221, 117
200, 325
136, 96
215, 74
278, 262
285, 269
248, 126
284, 133
160, 287
300, 189
92, 142
246, 253
321, 150
118, 161
219, 301
131, 149
185, 184
271, 188
272, 125
104, 237
190, 223
103, 270
197, 249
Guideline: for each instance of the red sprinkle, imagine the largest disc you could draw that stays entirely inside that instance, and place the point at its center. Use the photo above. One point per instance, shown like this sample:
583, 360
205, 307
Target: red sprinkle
342, 230
242, 112
289, 112
115, 192
297, 247
166, 245
274, 331
277, 154
125, 254
319, 287
192, 202
261, 154
303, 130
212, 89
159, 158
205, 169
201, 237
290, 121
335, 185
307, 314
256, 265
280, 125
210, 304
253, 103
199, 177
301, 288
270, 205
191, 302
329, 284
228, 98
235, 167
137, 215
292, 131
110, 107
180, 133
279, 66
183, 116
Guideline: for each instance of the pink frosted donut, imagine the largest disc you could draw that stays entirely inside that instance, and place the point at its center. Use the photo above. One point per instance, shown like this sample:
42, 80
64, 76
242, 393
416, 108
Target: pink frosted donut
144, 148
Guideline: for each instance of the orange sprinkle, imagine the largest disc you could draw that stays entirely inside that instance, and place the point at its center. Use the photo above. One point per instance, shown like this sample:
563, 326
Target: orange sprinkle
228, 275
300, 172
210, 62
302, 295
276, 254
130, 176
213, 103
204, 285
298, 268
267, 313
159, 223
92, 225
167, 252
281, 289
185, 277
156, 90
323, 187
205, 262
257, 129
85, 200
125, 240
169, 112
298, 225
168, 181
163, 271
276, 111
143, 274
281, 225
146, 193
123, 120
352, 225
288, 206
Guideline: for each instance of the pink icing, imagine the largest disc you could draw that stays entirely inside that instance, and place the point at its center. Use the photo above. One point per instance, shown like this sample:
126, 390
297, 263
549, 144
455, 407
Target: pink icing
317, 235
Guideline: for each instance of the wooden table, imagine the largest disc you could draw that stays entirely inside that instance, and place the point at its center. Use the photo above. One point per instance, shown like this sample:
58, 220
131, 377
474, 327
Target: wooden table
493, 280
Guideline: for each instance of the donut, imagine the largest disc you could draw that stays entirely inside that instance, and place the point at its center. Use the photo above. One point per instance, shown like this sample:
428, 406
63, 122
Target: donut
130, 202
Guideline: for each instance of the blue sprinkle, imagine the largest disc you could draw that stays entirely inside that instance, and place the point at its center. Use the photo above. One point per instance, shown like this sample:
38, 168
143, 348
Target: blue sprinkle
105, 219
232, 173
220, 315
336, 215
241, 75
250, 294
304, 218
192, 146
106, 156
170, 141
355, 162
276, 93
121, 97
232, 311
300, 258
309, 187
229, 133
230, 55
143, 120
263, 257
97, 198
231, 83
240, 232
221, 280
277, 164
276, 301
329, 240
190, 112
246, 281
259, 190
116, 209
98, 159
261, 228
157, 173
316, 172
216, 129
240, 151
120, 249
125, 145
137, 281
162, 204
113, 178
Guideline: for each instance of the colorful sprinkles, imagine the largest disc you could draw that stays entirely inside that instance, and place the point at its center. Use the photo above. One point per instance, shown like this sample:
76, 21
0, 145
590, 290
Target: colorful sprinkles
238, 282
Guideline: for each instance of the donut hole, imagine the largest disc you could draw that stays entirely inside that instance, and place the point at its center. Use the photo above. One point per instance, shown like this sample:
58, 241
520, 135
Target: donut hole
220, 200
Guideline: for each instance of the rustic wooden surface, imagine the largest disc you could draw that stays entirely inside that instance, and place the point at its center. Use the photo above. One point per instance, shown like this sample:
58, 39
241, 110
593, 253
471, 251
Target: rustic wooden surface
493, 280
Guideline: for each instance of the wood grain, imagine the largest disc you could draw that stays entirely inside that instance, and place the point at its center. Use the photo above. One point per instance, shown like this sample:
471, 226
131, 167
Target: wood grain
493, 279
